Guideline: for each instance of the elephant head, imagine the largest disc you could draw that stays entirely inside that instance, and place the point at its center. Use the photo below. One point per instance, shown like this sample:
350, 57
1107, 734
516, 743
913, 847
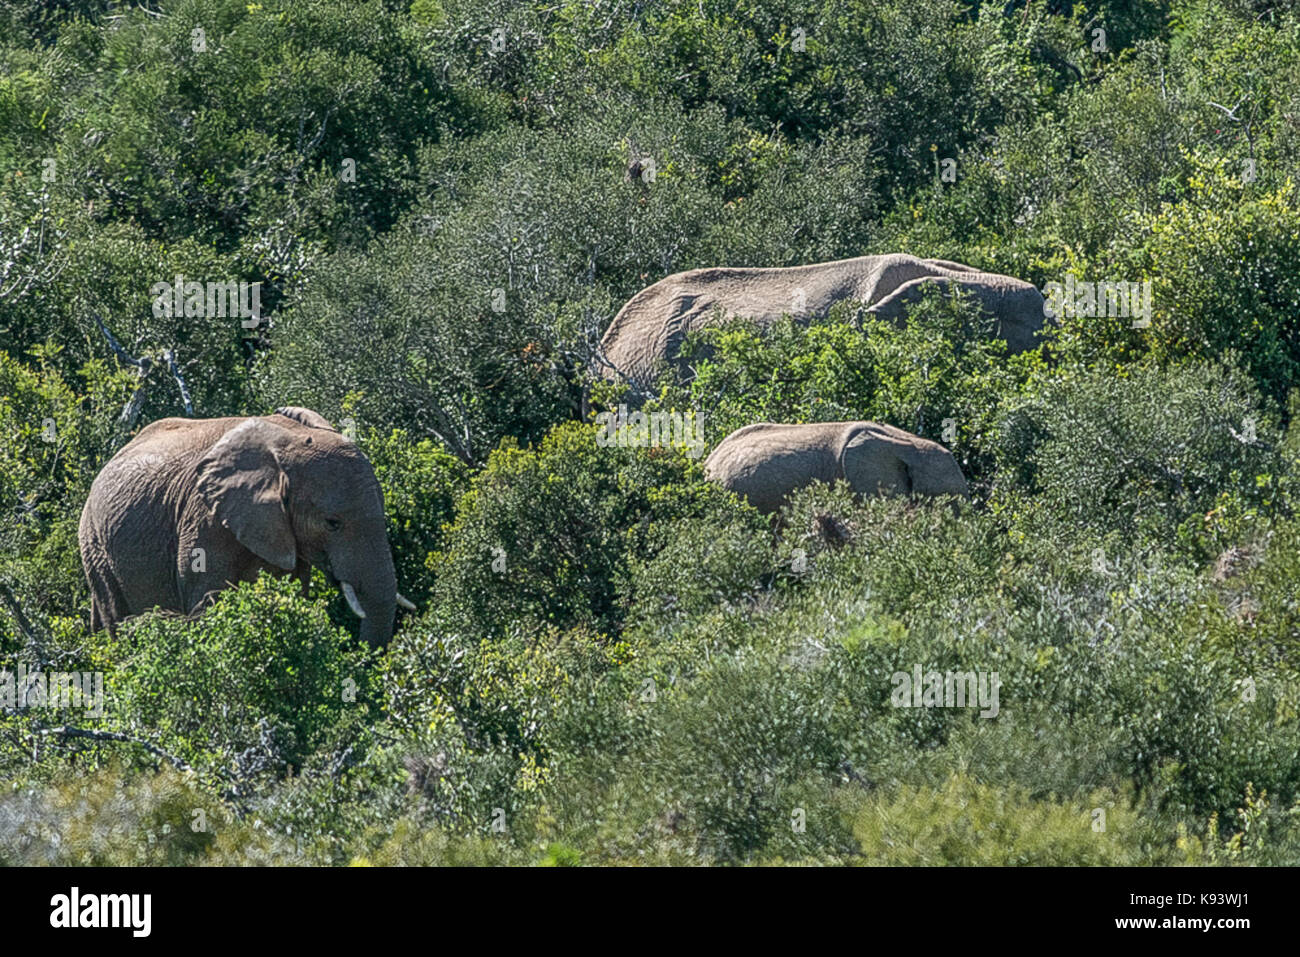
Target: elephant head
1017, 306
300, 494
883, 458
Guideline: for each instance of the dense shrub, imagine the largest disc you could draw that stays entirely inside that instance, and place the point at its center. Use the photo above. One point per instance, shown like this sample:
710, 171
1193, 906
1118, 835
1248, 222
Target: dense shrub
1141, 451
111, 819
421, 484
965, 823
545, 536
58, 433
1224, 270
254, 684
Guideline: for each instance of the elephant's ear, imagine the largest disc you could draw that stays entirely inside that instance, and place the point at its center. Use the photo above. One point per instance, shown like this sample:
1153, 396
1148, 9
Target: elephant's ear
241, 480
305, 416
876, 460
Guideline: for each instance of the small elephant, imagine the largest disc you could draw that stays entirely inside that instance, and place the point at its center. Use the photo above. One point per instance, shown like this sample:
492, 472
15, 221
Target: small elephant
764, 463
648, 331
192, 506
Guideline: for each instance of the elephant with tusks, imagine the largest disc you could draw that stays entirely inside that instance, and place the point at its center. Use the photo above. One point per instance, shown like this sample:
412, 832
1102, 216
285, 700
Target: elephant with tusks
648, 331
193, 506
766, 462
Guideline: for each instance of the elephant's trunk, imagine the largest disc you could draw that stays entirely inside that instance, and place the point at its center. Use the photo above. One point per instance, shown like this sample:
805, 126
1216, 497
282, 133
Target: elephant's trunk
371, 593
377, 626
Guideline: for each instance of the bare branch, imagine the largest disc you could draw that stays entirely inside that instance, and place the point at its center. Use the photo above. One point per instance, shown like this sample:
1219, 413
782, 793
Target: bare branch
67, 731
142, 363
170, 357
36, 645
1230, 113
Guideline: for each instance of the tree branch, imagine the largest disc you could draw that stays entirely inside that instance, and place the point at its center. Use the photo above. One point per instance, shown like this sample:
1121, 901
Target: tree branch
67, 731
170, 357
35, 639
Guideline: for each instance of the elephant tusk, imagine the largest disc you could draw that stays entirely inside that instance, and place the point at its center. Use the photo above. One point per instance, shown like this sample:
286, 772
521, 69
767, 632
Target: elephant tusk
405, 602
351, 596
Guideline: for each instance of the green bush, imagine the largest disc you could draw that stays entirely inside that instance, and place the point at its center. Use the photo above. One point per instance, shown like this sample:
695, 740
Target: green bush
253, 685
421, 483
56, 440
110, 819
968, 824
1140, 451
698, 564
1223, 267
544, 537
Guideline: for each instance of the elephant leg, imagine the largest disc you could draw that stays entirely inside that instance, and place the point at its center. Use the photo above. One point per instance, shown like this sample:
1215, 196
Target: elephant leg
210, 559
108, 604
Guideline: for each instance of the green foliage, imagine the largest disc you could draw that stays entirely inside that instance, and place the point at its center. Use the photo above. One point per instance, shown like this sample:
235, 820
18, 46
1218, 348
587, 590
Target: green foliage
255, 684
111, 819
1256, 617
697, 564
56, 440
1224, 266
1141, 451
968, 824
544, 536
421, 484
1266, 836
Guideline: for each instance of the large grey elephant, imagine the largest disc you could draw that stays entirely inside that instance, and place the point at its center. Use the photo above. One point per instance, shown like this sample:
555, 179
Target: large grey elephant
649, 330
192, 506
764, 463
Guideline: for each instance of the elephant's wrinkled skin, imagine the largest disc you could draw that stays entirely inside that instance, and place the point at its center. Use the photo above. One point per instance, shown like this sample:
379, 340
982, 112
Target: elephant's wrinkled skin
192, 506
766, 462
648, 331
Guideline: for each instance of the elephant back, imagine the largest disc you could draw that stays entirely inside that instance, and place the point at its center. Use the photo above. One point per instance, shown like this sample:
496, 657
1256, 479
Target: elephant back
765, 462
647, 334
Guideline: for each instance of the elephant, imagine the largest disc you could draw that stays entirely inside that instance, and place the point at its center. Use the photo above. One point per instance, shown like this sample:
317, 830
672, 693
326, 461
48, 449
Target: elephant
193, 506
766, 462
649, 330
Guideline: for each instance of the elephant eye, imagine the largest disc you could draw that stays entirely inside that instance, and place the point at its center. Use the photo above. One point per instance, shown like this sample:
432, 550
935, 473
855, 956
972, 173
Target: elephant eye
333, 524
